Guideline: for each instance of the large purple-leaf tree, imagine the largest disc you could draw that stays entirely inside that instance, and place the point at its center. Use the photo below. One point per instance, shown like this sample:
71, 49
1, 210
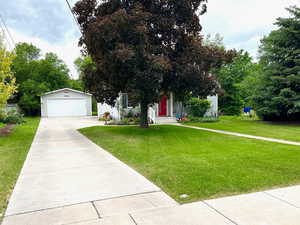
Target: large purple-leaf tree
147, 47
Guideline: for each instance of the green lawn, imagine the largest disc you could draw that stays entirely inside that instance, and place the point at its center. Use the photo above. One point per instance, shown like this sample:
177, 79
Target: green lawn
198, 163
13, 151
2, 125
287, 131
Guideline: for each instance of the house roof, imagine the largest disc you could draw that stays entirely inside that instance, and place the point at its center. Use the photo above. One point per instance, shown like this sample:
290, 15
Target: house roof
65, 89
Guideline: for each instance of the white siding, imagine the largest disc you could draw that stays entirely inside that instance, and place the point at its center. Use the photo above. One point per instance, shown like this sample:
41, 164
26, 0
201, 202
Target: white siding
103, 108
66, 102
213, 111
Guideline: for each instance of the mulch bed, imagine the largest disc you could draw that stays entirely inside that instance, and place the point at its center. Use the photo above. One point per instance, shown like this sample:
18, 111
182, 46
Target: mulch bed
5, 131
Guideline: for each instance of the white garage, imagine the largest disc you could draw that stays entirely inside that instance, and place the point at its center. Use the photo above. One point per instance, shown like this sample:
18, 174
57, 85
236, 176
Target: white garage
66, 103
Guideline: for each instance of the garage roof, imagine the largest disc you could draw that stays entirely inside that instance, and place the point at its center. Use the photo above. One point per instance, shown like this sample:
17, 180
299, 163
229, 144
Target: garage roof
66, 89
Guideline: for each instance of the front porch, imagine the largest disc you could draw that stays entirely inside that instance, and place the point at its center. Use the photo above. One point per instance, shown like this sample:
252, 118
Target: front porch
163, 112
167, 110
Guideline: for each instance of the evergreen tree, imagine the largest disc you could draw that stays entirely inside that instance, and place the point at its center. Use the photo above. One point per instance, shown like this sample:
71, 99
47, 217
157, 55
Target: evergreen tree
278, 94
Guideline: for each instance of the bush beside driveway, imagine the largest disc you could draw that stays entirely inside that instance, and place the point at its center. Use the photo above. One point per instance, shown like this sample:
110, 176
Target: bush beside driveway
13, 151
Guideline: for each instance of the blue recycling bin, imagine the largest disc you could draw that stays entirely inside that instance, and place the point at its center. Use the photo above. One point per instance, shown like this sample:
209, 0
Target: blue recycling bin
247, 109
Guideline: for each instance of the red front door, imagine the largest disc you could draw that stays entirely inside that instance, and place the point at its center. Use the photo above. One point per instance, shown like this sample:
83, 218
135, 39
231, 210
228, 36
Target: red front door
163, 106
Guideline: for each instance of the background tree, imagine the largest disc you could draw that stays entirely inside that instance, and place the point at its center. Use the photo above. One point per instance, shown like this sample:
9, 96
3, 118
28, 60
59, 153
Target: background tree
86, 68
250, 83
36, 75
235, 79
76, 84
278, 94
147, 47
7, 80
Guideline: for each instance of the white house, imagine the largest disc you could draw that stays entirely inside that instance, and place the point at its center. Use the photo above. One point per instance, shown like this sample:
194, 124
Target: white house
66, 102
214, 107
167, 110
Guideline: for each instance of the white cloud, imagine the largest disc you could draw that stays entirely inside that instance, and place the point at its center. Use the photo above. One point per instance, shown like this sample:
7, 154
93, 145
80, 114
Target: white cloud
66, 50
47, 24
243, 23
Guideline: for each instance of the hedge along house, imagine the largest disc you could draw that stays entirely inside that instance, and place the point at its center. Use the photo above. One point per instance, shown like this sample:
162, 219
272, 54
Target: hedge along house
167, 110
66, 102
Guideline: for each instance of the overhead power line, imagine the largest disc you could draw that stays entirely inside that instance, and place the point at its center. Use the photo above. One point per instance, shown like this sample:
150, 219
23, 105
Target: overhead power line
8, 41
75, 19
7, 31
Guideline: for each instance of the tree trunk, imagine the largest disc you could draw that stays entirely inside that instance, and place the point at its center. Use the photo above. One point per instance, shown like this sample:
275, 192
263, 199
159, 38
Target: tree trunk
144, 115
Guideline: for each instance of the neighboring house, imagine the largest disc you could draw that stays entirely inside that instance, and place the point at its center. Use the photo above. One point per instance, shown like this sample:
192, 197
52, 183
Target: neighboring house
66, 102
167, 110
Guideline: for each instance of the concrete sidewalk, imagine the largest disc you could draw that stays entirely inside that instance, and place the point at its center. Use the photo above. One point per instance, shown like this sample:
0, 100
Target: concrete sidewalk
242, 135
67, 179
65, 174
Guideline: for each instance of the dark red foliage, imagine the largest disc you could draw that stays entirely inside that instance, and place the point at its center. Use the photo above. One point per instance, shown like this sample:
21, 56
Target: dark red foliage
147, 47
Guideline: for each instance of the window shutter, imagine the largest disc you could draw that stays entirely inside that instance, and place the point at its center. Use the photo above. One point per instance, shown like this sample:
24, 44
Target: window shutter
125, 100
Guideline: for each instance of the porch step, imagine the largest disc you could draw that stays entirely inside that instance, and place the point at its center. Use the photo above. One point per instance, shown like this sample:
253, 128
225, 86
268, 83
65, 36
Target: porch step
165, 120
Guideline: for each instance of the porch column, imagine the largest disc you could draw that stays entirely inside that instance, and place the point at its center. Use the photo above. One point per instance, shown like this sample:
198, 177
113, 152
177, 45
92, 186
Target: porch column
172, 104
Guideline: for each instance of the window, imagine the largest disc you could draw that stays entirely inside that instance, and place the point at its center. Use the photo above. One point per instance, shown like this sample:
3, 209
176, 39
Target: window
124, 100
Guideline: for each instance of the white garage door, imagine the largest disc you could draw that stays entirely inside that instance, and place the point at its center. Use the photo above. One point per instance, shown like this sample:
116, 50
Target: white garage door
68, 107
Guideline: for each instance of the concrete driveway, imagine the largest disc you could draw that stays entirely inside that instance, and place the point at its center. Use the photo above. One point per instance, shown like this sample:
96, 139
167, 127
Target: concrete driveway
63, 168
67, 179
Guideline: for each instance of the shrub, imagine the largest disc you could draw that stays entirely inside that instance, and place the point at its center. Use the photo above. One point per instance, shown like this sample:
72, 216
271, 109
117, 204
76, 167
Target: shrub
106, 117
11, 116
230, 105
128, 121
130, 113
197, 107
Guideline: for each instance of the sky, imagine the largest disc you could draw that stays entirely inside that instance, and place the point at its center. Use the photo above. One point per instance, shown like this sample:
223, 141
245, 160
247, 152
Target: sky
49, 25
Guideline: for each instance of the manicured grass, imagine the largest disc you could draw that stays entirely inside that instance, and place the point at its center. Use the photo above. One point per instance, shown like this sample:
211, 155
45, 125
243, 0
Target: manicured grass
287, 131
13, 151
198, 163
2, 125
